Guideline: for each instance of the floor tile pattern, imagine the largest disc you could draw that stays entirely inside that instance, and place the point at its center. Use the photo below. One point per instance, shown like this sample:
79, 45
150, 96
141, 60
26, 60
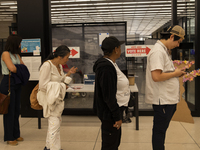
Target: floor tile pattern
83, 132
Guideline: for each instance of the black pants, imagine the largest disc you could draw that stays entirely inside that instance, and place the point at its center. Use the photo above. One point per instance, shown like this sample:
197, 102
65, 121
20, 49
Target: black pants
11, 119
111, 137
162, 118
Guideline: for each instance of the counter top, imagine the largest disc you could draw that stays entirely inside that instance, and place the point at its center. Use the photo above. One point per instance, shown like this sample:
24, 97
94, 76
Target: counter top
90, 88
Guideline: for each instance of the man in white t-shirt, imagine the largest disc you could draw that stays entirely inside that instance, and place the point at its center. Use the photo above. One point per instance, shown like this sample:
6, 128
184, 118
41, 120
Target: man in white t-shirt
162, 83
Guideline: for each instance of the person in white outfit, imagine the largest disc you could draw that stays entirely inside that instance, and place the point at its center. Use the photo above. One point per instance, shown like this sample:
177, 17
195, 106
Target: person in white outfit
52, 90
162, 83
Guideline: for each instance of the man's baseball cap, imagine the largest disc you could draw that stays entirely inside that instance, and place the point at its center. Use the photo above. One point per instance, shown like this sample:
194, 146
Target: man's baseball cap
109, 44
175, 30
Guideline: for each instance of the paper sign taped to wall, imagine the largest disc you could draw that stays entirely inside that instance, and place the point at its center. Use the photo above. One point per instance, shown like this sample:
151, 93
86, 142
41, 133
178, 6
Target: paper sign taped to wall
33, 64
102, 36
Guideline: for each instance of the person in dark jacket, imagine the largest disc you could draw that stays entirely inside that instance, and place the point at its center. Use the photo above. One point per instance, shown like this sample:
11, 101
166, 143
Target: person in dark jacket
111, 93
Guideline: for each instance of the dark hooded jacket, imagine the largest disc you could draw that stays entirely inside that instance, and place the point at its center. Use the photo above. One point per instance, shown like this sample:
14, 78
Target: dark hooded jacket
22, 75
105, 102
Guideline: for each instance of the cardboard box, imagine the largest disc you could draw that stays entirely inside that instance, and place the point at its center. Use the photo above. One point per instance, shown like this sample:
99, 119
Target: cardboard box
131, 80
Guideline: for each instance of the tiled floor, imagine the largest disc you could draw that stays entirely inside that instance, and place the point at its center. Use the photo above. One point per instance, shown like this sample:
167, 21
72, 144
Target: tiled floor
83, 133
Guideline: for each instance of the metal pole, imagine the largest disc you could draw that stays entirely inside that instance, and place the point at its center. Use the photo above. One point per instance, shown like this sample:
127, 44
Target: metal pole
174, 22
197, 56
174, 13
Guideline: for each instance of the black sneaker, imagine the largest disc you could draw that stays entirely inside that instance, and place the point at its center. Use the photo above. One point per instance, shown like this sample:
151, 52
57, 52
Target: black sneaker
129, 120
124, 121
45, 148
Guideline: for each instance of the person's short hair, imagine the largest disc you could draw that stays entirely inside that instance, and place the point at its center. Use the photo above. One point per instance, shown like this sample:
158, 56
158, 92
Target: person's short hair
109, 44
176, 30
12, 44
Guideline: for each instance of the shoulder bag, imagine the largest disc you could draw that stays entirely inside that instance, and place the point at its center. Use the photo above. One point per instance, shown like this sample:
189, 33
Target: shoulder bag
33, 97
5, 100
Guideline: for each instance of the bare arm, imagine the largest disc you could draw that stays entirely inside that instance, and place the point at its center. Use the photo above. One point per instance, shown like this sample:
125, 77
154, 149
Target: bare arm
158, 75
21, 62
6, 58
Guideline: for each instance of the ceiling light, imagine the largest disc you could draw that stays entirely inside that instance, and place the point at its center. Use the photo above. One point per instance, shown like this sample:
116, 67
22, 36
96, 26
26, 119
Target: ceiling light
8, 2
4, 6
13, 7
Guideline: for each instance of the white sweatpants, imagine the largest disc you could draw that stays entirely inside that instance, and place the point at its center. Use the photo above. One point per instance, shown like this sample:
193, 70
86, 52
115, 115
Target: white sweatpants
53, 133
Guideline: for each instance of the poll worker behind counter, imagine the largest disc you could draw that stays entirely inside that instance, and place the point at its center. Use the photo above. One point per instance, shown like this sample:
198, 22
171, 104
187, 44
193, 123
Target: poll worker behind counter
162, 83
111, 93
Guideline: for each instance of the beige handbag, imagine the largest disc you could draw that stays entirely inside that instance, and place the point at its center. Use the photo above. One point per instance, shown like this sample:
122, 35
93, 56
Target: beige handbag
33, 99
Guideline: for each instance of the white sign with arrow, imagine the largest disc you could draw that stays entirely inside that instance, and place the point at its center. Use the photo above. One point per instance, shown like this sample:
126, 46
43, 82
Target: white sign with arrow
75, 52
138, 50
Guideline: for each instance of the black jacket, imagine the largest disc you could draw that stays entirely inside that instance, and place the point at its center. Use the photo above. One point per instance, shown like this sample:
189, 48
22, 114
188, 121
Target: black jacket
22, 75
105, 102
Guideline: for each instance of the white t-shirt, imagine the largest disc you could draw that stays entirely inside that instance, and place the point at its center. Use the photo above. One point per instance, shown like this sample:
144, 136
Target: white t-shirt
163, 92
123, 90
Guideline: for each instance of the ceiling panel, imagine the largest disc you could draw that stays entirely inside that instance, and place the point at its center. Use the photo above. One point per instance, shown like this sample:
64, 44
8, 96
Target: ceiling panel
143, 17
